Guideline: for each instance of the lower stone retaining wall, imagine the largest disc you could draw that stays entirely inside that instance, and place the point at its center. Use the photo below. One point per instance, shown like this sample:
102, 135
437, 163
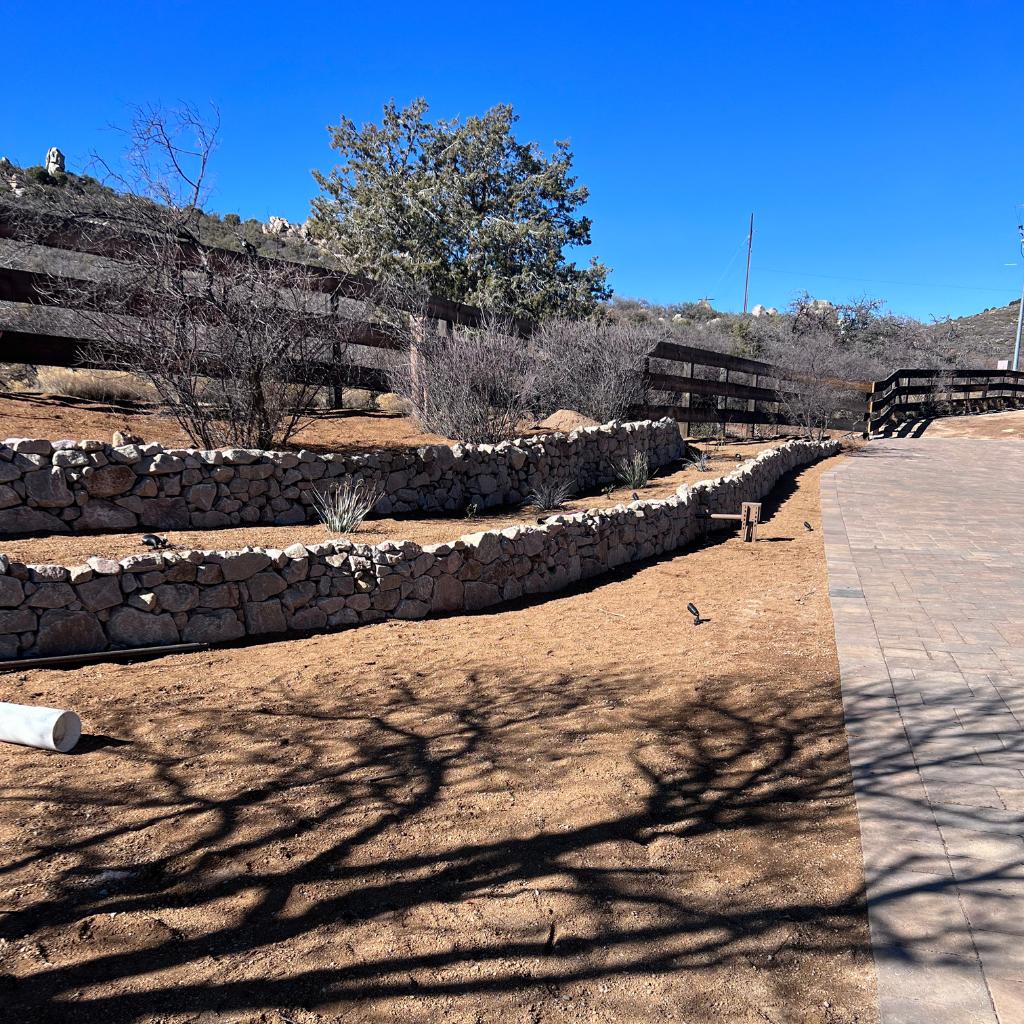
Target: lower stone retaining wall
218, 596
77, 486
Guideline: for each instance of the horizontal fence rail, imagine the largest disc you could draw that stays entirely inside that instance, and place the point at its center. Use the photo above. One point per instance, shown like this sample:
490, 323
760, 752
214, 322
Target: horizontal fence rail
692, 385
705, 387
917, 394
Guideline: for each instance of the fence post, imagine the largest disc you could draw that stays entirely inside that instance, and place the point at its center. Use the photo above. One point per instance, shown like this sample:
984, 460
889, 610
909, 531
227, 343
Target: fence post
337, 387
752, 408
684, 427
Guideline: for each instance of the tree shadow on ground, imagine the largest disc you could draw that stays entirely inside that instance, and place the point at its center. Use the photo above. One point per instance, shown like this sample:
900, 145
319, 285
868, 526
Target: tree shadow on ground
345, 853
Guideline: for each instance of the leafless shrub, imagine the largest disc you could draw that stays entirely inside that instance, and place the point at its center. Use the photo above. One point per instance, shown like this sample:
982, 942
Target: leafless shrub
472, 384
343, 506
228, 341
594, 367
815, 376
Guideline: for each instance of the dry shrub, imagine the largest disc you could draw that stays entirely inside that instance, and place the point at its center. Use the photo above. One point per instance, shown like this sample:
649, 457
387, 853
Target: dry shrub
595, 368
474, 384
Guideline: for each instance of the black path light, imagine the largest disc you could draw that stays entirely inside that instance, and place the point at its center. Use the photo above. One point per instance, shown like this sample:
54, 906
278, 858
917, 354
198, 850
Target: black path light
808, 527
151, 540
692, 609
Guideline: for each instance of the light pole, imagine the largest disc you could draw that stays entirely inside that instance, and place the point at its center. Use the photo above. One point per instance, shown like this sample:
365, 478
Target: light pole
1020, 311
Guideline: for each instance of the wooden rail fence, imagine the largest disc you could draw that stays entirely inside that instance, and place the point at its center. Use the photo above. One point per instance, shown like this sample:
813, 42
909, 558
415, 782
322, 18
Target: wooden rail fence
917, 394
704, 387
692, 385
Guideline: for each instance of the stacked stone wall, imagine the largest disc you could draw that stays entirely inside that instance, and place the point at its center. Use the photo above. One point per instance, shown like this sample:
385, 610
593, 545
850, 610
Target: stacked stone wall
81, 486
217, 596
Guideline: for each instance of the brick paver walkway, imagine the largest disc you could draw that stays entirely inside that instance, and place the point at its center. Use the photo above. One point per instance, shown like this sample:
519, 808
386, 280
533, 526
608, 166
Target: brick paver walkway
925, 542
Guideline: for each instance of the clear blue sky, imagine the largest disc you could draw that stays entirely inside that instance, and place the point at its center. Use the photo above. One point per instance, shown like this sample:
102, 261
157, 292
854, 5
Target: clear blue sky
881, 145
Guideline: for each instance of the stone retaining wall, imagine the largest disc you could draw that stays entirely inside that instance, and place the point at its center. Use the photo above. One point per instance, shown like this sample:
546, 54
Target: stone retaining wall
73, 486
217, 596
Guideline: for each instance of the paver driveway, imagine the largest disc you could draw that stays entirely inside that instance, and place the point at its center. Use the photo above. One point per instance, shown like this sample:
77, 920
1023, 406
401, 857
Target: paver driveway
925, 543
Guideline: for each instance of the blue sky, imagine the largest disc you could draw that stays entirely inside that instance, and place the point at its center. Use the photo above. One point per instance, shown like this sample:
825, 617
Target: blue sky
880, 145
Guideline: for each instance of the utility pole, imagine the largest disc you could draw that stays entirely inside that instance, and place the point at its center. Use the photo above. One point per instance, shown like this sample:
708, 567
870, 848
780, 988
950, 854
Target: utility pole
1020, 312
746, 283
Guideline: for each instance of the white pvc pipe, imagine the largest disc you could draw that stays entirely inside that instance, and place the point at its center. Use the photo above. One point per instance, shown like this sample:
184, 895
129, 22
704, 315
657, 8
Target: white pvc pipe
46, 728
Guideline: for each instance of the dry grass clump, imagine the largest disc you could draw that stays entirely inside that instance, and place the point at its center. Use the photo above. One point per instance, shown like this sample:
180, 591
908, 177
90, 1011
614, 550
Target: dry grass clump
107, 386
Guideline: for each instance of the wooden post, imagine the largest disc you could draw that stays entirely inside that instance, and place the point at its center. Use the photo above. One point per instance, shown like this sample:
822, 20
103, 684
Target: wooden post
684, 427
750, 516
418, 387
337, 388
752, 408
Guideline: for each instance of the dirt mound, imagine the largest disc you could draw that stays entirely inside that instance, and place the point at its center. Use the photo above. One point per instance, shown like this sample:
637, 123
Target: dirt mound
566, 420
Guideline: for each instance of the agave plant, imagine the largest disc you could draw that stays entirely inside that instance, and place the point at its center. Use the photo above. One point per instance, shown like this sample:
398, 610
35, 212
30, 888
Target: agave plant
634, 472
549, 495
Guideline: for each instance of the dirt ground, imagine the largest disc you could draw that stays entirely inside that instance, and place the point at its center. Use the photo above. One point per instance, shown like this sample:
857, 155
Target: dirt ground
31, 415
74, 550
995, 426
577, 809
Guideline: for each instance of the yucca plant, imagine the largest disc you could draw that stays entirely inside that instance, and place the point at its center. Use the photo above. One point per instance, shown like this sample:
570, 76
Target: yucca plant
343, 506
634, 472
549, 495
699, 461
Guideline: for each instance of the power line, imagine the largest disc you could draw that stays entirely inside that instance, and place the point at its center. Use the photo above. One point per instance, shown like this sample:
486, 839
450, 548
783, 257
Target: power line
875, 280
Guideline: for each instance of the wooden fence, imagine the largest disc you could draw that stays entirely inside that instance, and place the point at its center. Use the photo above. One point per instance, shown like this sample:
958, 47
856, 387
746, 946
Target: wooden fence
698, 386
693, 385
36, 332
918, 394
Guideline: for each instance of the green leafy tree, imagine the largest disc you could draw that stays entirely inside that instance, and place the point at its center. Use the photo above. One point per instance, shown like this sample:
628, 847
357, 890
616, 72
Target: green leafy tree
464, 210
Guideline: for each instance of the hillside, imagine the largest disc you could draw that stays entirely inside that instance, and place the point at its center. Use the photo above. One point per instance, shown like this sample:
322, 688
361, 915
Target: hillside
988, 335
37, 187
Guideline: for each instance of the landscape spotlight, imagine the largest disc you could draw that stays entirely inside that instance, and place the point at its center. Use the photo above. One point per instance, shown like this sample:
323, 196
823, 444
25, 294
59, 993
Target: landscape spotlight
808, 527
692, 609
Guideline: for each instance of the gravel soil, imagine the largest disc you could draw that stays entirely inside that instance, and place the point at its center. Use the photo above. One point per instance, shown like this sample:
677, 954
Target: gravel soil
580, 809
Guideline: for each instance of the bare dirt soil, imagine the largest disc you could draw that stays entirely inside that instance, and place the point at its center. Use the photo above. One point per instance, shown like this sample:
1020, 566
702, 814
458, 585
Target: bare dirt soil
994, 426
581, 809
29, 415
74, 550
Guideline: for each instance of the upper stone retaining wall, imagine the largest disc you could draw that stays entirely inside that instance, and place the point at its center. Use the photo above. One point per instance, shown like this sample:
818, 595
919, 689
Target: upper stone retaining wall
217, 596
77, 486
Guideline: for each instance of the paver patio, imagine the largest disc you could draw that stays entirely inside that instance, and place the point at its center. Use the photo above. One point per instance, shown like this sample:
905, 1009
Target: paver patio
925, 545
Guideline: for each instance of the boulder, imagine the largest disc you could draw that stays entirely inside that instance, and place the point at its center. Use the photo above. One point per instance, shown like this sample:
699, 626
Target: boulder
100, 514
212, 627
177, 597
264, 617
240, 565
110, 481
67, 632
165, 513
101, 592
51, 595
480, 595
54, 161
133, 628
264, 585
448, 594
30, 520
11, 592
48, 488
